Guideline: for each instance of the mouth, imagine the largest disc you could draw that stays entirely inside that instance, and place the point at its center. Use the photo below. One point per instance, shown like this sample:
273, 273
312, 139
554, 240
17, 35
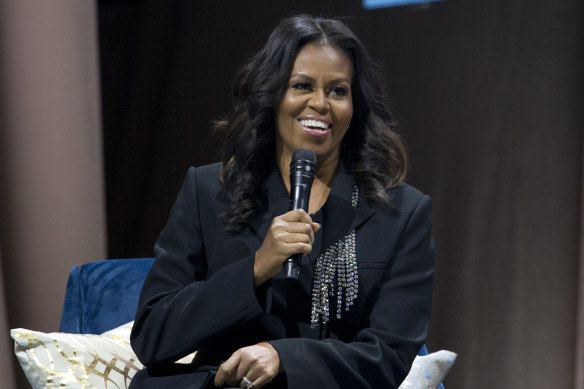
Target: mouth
316, 127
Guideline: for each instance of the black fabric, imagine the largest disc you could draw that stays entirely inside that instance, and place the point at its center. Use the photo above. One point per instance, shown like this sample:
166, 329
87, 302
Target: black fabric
199, 294
185, 380
188, 380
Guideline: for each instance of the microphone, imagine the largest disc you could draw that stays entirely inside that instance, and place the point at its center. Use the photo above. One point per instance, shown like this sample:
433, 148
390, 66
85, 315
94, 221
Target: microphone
302, 169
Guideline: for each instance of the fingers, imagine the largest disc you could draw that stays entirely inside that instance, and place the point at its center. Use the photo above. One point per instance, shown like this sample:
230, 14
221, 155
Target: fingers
227, 372
299, 227
267, 366
297, 221
255, 376
259, 364
300, 215
297, 215
286, 243
289, 234
257, 383
315, 226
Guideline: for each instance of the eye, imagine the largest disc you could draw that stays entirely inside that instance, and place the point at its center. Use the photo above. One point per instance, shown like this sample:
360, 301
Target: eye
302, 86
339, 91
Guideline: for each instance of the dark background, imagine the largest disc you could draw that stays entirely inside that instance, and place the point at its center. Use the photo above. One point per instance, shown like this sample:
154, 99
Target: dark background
490, 95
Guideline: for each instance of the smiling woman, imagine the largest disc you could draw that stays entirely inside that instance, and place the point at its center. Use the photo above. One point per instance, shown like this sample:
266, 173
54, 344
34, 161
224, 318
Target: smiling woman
359, 312
371, 150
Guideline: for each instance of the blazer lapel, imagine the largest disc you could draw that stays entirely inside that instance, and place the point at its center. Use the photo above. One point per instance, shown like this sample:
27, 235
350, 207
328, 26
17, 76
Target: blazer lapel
278, 203
342, 190
363, 212
339, 217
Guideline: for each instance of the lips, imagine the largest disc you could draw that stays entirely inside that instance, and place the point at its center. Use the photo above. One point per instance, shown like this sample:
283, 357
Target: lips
315, 126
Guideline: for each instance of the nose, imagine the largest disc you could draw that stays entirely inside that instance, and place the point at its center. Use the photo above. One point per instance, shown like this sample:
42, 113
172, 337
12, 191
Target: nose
319, 101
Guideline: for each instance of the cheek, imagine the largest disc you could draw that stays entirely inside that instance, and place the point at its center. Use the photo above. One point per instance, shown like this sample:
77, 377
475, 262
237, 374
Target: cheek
285, 115
350, 111
345, 112
290, 106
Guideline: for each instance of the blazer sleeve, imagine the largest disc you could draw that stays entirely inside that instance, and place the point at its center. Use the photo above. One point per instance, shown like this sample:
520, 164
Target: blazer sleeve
394, 327
178, 298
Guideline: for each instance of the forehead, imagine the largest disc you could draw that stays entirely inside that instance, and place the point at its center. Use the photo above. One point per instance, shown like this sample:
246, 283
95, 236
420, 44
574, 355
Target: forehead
322, 61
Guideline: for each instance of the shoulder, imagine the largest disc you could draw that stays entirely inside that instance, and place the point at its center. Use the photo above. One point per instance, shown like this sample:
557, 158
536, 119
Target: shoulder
203, 183
405, 200
206, 176
206, 172
406, 194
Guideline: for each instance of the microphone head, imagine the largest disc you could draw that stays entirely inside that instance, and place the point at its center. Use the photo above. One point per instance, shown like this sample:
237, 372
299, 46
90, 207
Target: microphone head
304, 155
302, 168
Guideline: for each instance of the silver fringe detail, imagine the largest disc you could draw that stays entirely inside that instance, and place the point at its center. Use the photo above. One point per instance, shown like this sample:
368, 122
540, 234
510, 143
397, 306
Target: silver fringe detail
338, 260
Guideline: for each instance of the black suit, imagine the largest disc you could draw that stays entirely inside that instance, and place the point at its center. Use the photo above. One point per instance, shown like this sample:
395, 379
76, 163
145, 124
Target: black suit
199, 294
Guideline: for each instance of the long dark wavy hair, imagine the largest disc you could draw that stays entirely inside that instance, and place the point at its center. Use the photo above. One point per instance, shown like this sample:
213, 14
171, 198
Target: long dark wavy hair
371, 150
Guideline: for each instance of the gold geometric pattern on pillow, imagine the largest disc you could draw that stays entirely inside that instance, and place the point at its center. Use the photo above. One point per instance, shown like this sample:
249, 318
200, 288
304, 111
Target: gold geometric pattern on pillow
60, 360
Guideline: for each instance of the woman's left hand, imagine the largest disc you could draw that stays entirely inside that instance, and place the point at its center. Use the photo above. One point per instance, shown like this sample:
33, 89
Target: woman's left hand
259, 363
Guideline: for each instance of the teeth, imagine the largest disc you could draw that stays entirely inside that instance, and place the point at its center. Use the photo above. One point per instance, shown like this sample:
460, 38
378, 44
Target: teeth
314, 124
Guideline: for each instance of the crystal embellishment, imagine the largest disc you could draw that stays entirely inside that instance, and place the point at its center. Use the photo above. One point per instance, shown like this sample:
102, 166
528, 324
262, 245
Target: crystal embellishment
335, 276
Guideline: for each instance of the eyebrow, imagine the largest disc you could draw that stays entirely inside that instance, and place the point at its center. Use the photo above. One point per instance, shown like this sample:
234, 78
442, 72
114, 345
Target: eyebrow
302, 75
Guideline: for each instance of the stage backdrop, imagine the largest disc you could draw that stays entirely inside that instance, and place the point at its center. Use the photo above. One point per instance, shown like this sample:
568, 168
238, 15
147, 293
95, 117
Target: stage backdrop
490, 94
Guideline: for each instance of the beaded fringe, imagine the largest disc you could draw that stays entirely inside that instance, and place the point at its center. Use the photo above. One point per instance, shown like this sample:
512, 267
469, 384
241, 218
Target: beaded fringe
337, 265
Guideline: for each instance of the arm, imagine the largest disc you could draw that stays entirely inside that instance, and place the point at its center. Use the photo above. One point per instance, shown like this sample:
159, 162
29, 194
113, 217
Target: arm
395, 323
178, 298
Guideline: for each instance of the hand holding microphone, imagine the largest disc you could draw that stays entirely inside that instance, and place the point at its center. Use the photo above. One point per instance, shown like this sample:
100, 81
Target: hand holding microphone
302, 169
291, 235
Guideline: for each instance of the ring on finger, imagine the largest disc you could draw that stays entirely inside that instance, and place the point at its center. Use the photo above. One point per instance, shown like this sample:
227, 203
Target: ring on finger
247, 382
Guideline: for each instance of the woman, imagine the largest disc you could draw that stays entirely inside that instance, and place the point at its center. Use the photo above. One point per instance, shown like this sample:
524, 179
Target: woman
360, 310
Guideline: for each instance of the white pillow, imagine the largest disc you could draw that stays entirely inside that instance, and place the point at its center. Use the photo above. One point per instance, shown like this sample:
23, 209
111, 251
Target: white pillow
62, 360
428, 371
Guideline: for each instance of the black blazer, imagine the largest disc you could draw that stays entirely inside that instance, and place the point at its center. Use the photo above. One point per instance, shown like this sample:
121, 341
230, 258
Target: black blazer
199, 294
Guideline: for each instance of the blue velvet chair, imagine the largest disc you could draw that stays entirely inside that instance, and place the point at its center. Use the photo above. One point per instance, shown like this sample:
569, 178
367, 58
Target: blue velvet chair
103, 295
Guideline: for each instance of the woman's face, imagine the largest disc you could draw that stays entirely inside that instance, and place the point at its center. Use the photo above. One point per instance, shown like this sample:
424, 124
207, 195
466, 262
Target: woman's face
317, 107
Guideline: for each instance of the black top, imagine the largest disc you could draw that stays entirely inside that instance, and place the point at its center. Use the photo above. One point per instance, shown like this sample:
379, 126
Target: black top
199, 294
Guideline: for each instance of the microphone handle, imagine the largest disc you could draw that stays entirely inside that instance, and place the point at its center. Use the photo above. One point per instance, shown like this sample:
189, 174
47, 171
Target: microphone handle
298, 200
292, 267
299, 197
